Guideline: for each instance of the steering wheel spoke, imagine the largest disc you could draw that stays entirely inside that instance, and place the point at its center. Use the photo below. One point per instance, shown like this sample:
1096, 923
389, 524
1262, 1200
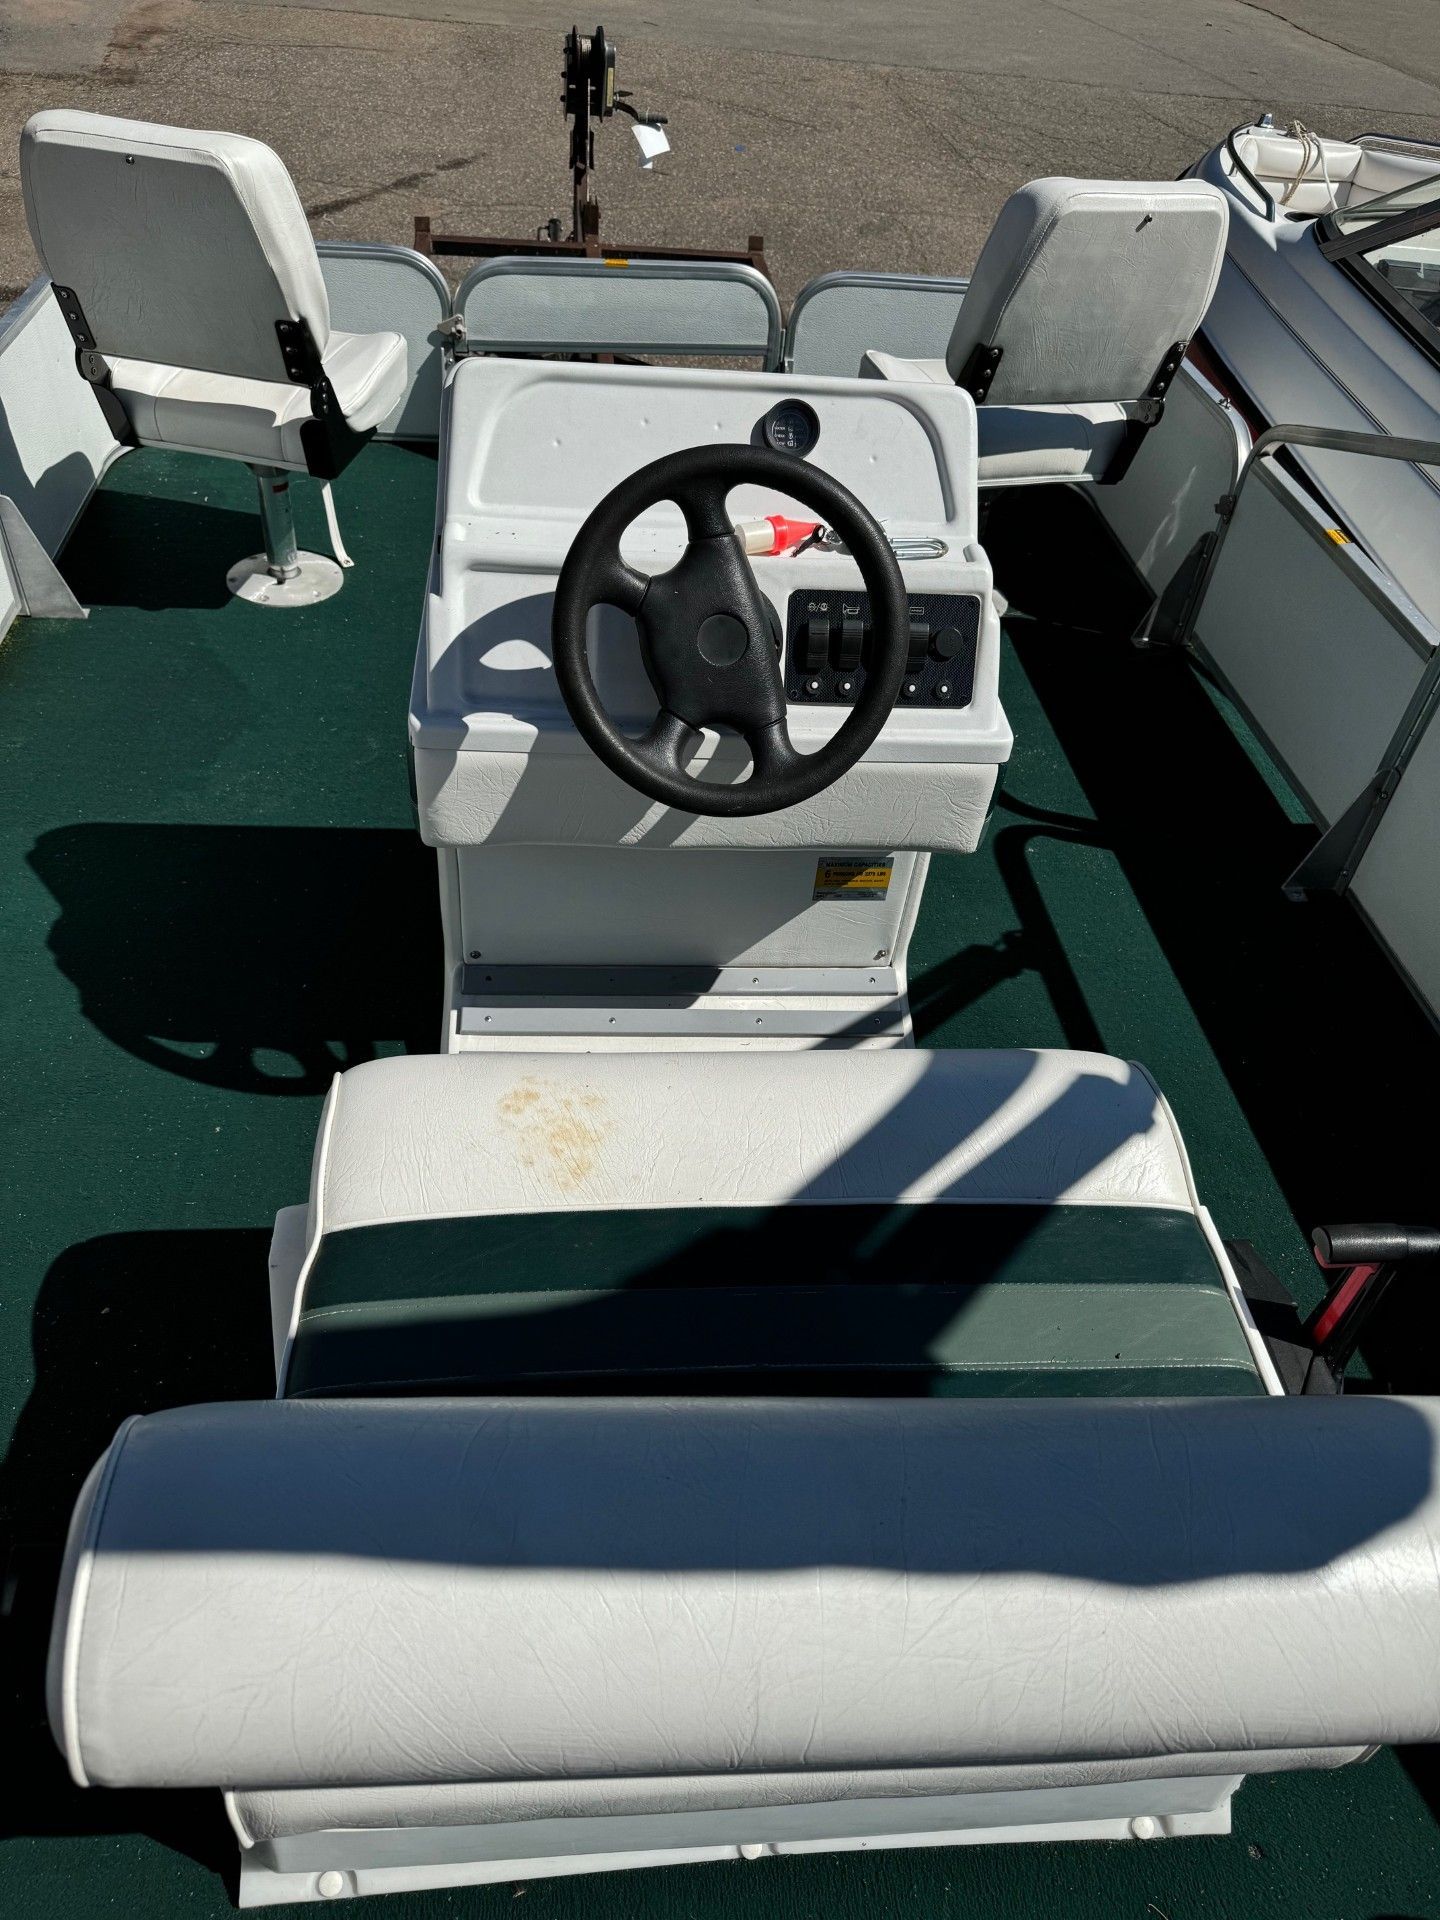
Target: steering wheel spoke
622, 586
667, 742
704, 502
705, 633
773, 752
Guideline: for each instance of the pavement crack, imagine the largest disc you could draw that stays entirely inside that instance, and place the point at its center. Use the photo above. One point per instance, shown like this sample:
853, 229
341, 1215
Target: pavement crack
399, 184
1309, 33
1138, 40
1384, 62
892, 79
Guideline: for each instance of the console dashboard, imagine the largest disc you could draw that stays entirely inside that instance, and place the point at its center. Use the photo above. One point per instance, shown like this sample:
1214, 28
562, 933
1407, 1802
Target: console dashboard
529, 448
828, 639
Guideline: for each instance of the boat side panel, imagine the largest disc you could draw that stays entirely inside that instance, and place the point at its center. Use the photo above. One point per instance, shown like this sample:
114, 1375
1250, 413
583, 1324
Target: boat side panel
1165, 505
840, 317
54, 441
1308, 344
9, 592
1323, 667
1394, 885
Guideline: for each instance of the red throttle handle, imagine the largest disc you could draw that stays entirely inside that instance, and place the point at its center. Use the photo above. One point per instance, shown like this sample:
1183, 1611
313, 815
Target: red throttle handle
1363, 1257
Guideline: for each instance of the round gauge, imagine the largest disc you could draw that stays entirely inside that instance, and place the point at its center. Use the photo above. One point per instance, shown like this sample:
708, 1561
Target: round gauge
792, 427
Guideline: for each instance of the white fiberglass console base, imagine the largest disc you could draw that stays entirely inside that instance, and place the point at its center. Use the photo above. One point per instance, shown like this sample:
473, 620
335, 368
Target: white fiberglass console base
577, 912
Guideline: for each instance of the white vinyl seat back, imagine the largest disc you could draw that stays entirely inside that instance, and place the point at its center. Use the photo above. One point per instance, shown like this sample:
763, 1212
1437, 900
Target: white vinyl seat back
391, 1593
183, 248
1303, 176
1085, 285
1307, 174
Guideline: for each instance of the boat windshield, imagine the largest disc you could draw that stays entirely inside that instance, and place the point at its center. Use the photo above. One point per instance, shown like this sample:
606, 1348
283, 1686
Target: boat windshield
1392, 245
1403, 200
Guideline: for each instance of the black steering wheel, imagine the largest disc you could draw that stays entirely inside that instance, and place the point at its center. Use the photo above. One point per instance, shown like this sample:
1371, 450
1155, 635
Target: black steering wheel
705, 634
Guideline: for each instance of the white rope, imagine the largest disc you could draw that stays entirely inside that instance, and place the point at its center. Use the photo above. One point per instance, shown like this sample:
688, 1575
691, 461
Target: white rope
1312, 153
337, 545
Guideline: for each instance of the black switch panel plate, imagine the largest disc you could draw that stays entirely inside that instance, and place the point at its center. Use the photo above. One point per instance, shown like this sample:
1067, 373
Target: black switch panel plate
934, 683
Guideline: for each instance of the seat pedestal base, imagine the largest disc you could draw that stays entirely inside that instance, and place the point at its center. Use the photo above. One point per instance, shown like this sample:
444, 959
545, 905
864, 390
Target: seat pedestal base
283, 576
314, 578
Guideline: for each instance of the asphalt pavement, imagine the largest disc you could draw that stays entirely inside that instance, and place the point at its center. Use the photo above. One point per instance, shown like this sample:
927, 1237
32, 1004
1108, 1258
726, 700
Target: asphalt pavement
849, 134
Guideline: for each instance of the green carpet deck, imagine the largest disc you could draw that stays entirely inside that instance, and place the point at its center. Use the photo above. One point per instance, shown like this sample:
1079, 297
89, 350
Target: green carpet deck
212, 897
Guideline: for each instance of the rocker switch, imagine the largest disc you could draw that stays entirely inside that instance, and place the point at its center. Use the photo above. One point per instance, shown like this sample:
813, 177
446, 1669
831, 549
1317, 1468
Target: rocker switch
919, 644
847, 648
815, 644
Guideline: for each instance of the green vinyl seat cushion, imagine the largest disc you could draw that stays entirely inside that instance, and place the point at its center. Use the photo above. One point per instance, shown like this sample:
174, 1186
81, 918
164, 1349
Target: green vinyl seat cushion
898, 1299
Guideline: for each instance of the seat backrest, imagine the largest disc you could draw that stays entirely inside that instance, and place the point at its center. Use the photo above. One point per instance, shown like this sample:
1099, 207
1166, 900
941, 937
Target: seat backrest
370, 1593
1085, 285
182, 248
1303, 176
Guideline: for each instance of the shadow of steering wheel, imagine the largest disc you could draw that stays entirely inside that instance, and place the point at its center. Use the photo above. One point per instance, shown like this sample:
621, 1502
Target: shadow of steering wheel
257, 959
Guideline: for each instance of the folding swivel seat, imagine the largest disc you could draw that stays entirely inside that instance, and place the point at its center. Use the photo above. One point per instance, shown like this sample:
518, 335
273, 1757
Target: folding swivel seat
184, 266
1075, 321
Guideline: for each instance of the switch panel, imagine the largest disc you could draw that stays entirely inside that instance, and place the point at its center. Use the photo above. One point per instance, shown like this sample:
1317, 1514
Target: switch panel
828, 643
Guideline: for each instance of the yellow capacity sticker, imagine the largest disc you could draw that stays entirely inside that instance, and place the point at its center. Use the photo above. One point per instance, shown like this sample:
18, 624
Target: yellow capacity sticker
842, 877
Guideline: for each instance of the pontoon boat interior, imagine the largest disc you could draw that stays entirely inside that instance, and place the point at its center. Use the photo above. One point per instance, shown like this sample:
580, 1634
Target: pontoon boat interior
711, 1412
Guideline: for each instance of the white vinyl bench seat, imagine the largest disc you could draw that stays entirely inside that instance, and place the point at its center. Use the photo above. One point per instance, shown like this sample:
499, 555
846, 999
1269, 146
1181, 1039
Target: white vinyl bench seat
402, 1615
442, 1639
916, 1223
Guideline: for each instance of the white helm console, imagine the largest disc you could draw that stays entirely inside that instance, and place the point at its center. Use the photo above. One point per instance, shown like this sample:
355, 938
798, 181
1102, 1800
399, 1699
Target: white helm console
613, 879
